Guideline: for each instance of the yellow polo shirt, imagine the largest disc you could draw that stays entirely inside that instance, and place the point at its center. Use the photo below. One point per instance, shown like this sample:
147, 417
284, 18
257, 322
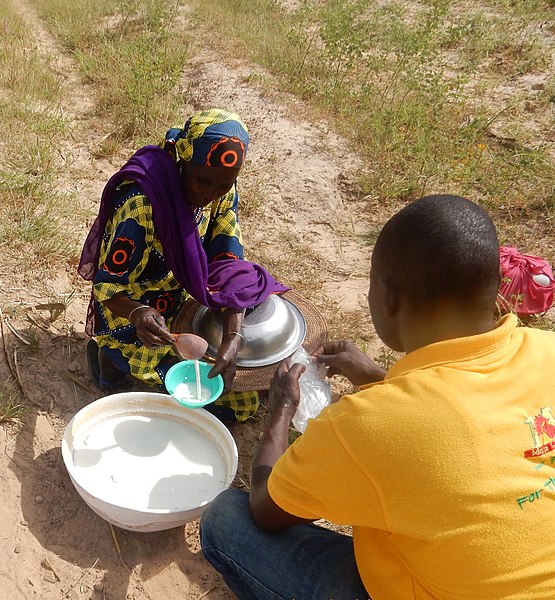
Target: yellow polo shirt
445, 470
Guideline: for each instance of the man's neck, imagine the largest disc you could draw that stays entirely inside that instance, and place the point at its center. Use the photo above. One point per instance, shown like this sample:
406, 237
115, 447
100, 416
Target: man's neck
444, 323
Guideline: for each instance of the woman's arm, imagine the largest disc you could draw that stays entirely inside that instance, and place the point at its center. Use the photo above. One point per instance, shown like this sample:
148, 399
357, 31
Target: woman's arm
150, 324
232, 342
123, 259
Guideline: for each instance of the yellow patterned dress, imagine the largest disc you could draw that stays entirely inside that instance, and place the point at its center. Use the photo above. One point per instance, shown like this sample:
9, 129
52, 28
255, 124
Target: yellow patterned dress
132, 261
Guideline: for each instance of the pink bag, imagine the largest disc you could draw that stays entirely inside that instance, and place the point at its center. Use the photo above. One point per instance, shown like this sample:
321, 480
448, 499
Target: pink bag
527, 284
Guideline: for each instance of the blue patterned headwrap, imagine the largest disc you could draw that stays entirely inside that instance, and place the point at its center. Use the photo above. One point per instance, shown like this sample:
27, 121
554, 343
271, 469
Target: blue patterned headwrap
214, 138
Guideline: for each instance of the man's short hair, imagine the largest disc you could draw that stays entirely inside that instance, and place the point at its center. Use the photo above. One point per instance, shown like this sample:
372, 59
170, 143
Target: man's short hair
438, 248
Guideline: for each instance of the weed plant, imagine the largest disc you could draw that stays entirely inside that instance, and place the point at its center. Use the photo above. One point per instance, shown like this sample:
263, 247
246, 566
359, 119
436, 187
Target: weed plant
12, 410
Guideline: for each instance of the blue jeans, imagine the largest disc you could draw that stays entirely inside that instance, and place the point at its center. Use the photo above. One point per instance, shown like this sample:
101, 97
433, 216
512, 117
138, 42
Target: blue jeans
303, 562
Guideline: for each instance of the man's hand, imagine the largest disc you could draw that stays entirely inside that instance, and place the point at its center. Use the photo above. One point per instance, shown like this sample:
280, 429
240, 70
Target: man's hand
345, 358
285, 393
284, 400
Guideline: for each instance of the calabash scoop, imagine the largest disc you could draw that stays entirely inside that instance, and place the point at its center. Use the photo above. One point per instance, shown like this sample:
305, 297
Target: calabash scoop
190, 346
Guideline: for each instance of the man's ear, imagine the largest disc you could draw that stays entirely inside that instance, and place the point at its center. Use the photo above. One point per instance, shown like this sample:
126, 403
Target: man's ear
388, 297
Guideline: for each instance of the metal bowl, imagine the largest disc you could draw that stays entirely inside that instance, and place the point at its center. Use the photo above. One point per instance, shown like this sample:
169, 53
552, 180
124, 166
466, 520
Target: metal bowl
273, 330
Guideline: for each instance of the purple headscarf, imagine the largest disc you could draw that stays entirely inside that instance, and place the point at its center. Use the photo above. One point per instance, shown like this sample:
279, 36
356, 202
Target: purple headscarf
222, 284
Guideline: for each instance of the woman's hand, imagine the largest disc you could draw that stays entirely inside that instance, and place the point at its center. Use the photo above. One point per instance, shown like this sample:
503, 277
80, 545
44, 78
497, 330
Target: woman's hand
151, 328
226, 358
150, 324
232, 341
345, 358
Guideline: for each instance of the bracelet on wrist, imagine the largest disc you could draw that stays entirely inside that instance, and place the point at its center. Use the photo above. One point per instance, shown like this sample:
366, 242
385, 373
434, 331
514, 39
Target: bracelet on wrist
235, 333
135, 309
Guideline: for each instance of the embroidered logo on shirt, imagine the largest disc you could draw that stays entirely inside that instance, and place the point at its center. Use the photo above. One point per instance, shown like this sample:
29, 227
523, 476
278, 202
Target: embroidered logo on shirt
117, 262
542, 428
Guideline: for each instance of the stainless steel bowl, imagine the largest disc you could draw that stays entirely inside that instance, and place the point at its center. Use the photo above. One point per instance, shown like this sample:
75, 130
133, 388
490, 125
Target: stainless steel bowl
273, 330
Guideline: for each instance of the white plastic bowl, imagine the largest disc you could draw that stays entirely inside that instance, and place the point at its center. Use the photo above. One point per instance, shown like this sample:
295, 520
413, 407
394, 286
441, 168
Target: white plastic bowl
142, 462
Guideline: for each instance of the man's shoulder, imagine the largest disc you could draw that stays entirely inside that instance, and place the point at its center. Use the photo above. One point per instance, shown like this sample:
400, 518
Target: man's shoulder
546, 335
368, 407
536, 342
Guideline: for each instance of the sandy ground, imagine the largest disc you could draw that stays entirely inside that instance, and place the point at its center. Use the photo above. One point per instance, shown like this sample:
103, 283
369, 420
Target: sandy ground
54, 545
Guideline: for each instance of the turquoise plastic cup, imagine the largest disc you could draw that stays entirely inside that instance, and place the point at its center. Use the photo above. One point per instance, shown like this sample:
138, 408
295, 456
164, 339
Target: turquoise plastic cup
181, 383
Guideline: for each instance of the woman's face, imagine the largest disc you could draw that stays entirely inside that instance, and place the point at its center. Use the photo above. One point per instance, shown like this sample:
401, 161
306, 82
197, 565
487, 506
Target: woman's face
204, 184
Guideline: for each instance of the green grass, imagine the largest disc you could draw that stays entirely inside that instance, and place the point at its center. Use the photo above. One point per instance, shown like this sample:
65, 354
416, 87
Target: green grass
409, 84
37, 228
12, 409
132, 54
33, 213
412, 86
24, 75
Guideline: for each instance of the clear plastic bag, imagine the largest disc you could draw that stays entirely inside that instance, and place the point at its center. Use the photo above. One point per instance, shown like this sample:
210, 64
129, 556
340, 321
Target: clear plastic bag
315, 389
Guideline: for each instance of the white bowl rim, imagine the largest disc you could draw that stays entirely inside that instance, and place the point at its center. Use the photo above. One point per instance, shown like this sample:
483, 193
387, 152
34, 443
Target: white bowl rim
167, 402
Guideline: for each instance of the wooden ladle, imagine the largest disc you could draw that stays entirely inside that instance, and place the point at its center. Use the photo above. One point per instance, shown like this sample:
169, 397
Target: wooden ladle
190, 346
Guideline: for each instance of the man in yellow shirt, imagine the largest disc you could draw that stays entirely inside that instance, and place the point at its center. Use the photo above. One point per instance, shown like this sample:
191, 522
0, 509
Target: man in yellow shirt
444, 466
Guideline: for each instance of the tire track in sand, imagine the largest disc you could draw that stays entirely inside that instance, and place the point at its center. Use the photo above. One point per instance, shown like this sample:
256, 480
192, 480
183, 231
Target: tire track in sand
303, 171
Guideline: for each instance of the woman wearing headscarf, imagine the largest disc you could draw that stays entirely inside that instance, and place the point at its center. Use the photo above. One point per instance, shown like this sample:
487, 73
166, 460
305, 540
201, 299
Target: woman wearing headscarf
167, 230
